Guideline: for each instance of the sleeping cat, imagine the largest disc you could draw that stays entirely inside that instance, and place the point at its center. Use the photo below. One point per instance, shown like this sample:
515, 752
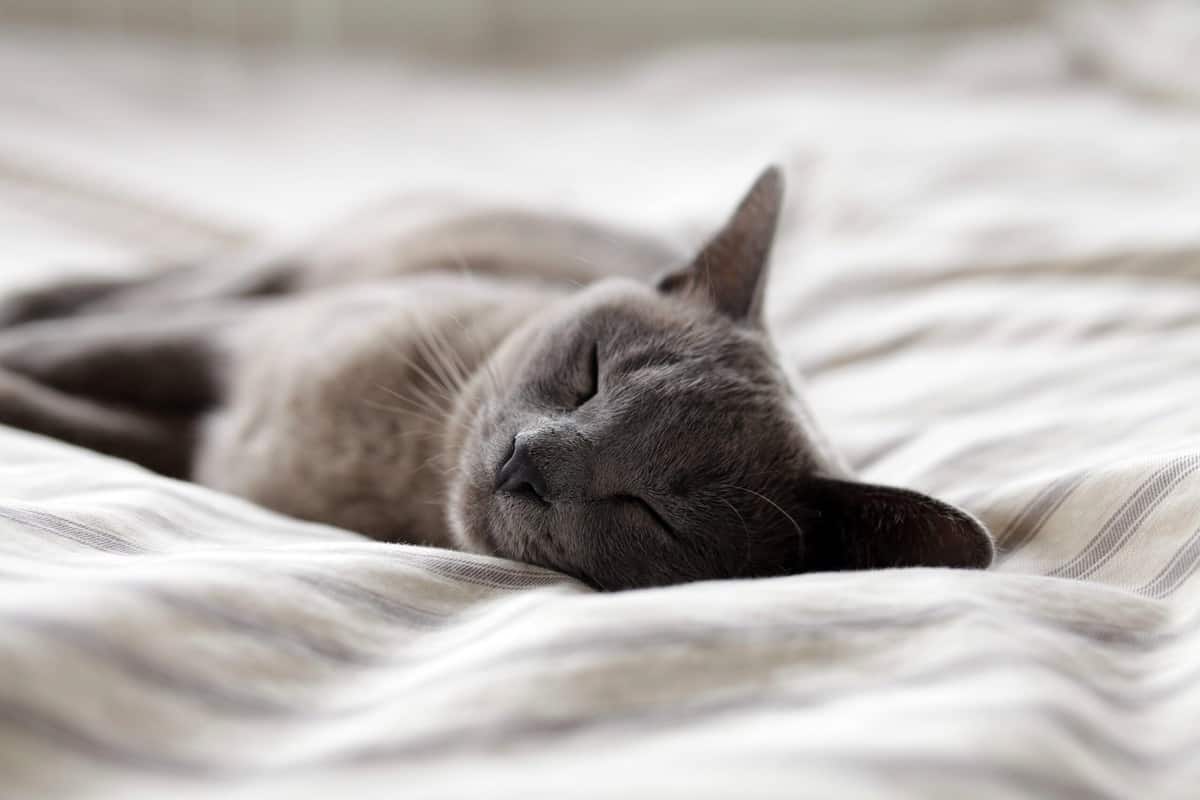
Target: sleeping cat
507, 384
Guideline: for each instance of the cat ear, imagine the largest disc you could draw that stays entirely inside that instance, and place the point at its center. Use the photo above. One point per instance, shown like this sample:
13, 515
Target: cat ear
866, 526
730, 271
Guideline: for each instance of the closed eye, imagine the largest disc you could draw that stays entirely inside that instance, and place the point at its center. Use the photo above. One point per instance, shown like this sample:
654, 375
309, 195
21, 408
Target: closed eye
650, 511
593, 377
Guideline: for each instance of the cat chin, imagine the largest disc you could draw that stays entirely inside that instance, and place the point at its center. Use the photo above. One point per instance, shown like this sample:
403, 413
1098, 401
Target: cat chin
479, 520
468, 527
485, 523
471, 534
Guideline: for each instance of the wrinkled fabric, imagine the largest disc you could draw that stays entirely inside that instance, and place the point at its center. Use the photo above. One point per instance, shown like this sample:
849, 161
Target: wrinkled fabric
989, 272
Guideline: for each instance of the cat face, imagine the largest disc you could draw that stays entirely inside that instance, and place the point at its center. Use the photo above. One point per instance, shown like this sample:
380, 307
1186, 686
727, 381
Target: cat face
646, 435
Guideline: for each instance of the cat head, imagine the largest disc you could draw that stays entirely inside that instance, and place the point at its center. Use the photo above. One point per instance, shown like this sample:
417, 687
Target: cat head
641, 435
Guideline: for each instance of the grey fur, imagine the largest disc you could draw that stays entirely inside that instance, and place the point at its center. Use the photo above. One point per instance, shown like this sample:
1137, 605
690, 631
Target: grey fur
382, 381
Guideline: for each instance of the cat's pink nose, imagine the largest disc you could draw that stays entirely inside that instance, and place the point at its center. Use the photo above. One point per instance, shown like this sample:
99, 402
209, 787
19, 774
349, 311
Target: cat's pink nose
519, 474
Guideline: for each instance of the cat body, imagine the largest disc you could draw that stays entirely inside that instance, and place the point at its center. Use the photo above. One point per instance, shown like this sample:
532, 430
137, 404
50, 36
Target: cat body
392, 357
505, 383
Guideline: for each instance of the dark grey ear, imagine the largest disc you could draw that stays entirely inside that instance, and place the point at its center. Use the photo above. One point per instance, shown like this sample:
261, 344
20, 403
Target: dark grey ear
730, 271
866, 526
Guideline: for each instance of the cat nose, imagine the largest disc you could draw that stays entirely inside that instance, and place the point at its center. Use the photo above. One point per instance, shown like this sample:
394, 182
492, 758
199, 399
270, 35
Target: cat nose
519, 474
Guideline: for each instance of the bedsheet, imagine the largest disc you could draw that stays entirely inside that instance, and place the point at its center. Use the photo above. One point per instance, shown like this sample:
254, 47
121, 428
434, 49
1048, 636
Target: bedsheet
989, 272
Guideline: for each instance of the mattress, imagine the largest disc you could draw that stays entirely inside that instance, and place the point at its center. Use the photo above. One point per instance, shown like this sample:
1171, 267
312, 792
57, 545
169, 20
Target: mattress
989, 271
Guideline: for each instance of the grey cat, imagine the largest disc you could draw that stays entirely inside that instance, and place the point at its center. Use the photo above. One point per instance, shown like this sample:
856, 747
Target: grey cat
508, 384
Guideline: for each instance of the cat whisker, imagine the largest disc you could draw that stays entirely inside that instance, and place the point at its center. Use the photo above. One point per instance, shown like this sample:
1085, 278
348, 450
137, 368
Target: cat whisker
446, 469
469, 274
429, 396
451, 362
435, 356
408, 406
453, 357
772, 503
437, 382
746, 530
418, 405
401, 411
490, 372
413, 434
485, 363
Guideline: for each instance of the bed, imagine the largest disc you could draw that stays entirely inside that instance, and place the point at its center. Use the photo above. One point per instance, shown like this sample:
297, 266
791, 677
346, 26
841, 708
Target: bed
989, 272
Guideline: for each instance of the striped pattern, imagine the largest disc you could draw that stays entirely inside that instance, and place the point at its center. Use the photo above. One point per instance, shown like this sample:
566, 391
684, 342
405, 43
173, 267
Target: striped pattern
996, 303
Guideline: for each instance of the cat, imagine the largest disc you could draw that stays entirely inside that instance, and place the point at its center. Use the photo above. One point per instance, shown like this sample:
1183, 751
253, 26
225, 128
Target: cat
533, 387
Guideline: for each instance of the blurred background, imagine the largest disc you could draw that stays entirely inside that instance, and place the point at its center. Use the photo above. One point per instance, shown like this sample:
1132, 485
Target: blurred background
516, 30
138, 129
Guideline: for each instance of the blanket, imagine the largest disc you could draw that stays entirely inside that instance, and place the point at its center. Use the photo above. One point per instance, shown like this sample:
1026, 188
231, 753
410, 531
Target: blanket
989, 271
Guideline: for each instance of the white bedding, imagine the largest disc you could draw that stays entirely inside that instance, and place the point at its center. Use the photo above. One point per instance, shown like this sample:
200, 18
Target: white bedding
990, 272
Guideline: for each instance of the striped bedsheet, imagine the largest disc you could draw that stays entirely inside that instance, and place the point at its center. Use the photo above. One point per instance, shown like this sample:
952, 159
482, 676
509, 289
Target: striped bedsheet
990, 273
